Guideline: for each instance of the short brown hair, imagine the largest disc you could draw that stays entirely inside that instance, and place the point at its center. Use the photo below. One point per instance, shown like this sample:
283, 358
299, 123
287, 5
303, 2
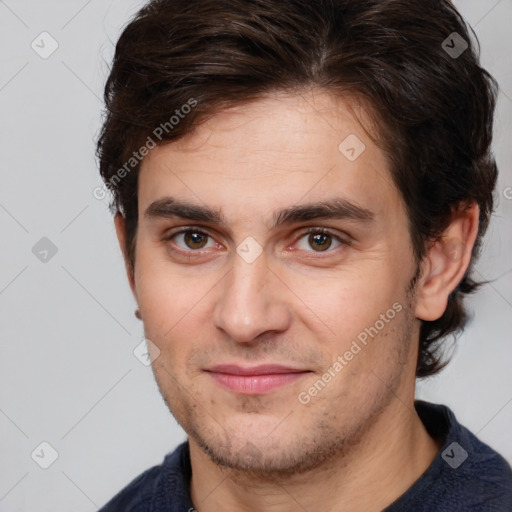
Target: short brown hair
434, 109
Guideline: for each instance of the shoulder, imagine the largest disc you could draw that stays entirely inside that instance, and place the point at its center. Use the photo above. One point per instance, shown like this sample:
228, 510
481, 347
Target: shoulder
484, 476
466, 474
137, 495
142, 494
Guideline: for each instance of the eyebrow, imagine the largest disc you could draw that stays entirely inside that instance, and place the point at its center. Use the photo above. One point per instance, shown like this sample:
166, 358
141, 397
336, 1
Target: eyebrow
336, 208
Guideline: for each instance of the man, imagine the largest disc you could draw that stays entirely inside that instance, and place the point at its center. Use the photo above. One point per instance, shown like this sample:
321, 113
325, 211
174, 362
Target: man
300, 191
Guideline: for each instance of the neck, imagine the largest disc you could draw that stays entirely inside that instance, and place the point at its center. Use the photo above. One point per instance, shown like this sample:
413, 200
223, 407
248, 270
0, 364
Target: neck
395, 452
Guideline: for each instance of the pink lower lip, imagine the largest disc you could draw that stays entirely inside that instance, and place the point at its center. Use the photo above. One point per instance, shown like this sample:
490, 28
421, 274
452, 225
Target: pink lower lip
255, 384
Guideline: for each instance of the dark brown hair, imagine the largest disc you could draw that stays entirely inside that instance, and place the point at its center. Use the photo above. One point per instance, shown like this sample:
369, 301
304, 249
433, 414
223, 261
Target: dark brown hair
433, 108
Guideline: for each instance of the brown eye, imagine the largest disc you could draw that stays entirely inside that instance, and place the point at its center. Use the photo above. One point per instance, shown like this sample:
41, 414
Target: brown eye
195, 240
191, 240
320, 240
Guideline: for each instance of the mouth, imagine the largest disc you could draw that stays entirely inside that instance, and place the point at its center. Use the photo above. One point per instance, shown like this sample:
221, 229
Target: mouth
255, 380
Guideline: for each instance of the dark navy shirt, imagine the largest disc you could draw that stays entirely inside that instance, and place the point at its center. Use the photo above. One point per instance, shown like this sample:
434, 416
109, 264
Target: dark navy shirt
466, 476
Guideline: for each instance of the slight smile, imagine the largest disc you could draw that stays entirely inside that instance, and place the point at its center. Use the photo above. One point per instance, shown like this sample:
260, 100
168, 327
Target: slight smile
255, 380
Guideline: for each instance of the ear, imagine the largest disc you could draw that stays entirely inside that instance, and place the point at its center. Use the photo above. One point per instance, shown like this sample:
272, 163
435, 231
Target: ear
446, 262
120, 226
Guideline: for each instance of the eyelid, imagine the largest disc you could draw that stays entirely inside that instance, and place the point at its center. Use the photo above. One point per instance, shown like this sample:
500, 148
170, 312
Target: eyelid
169, 235
204, 231
343, 240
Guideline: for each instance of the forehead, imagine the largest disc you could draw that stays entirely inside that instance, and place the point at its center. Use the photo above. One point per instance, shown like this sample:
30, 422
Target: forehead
282, 150
296, 118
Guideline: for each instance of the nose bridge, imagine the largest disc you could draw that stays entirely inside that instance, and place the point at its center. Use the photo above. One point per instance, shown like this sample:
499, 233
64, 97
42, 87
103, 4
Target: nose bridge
249, 302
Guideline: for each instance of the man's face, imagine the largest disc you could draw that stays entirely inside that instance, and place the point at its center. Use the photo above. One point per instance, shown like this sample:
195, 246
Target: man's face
216, 307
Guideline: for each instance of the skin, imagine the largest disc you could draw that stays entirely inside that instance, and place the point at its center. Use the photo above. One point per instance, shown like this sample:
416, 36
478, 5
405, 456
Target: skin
358, 444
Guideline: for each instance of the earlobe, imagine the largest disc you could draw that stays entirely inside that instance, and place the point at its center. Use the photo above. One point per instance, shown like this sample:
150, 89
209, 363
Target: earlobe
119, 223
446, 263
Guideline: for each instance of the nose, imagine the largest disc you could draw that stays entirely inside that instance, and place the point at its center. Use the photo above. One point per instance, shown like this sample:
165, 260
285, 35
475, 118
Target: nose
252, 300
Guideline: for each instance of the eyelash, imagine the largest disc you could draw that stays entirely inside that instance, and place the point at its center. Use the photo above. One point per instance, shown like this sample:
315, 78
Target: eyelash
198, 253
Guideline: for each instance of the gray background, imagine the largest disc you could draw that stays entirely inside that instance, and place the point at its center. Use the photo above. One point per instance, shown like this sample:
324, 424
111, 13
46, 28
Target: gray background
68, 373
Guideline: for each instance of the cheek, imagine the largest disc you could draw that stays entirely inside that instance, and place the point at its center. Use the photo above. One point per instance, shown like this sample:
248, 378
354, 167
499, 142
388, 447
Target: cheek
343, 304
166, 292
374, 359
175, 308
366, 331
